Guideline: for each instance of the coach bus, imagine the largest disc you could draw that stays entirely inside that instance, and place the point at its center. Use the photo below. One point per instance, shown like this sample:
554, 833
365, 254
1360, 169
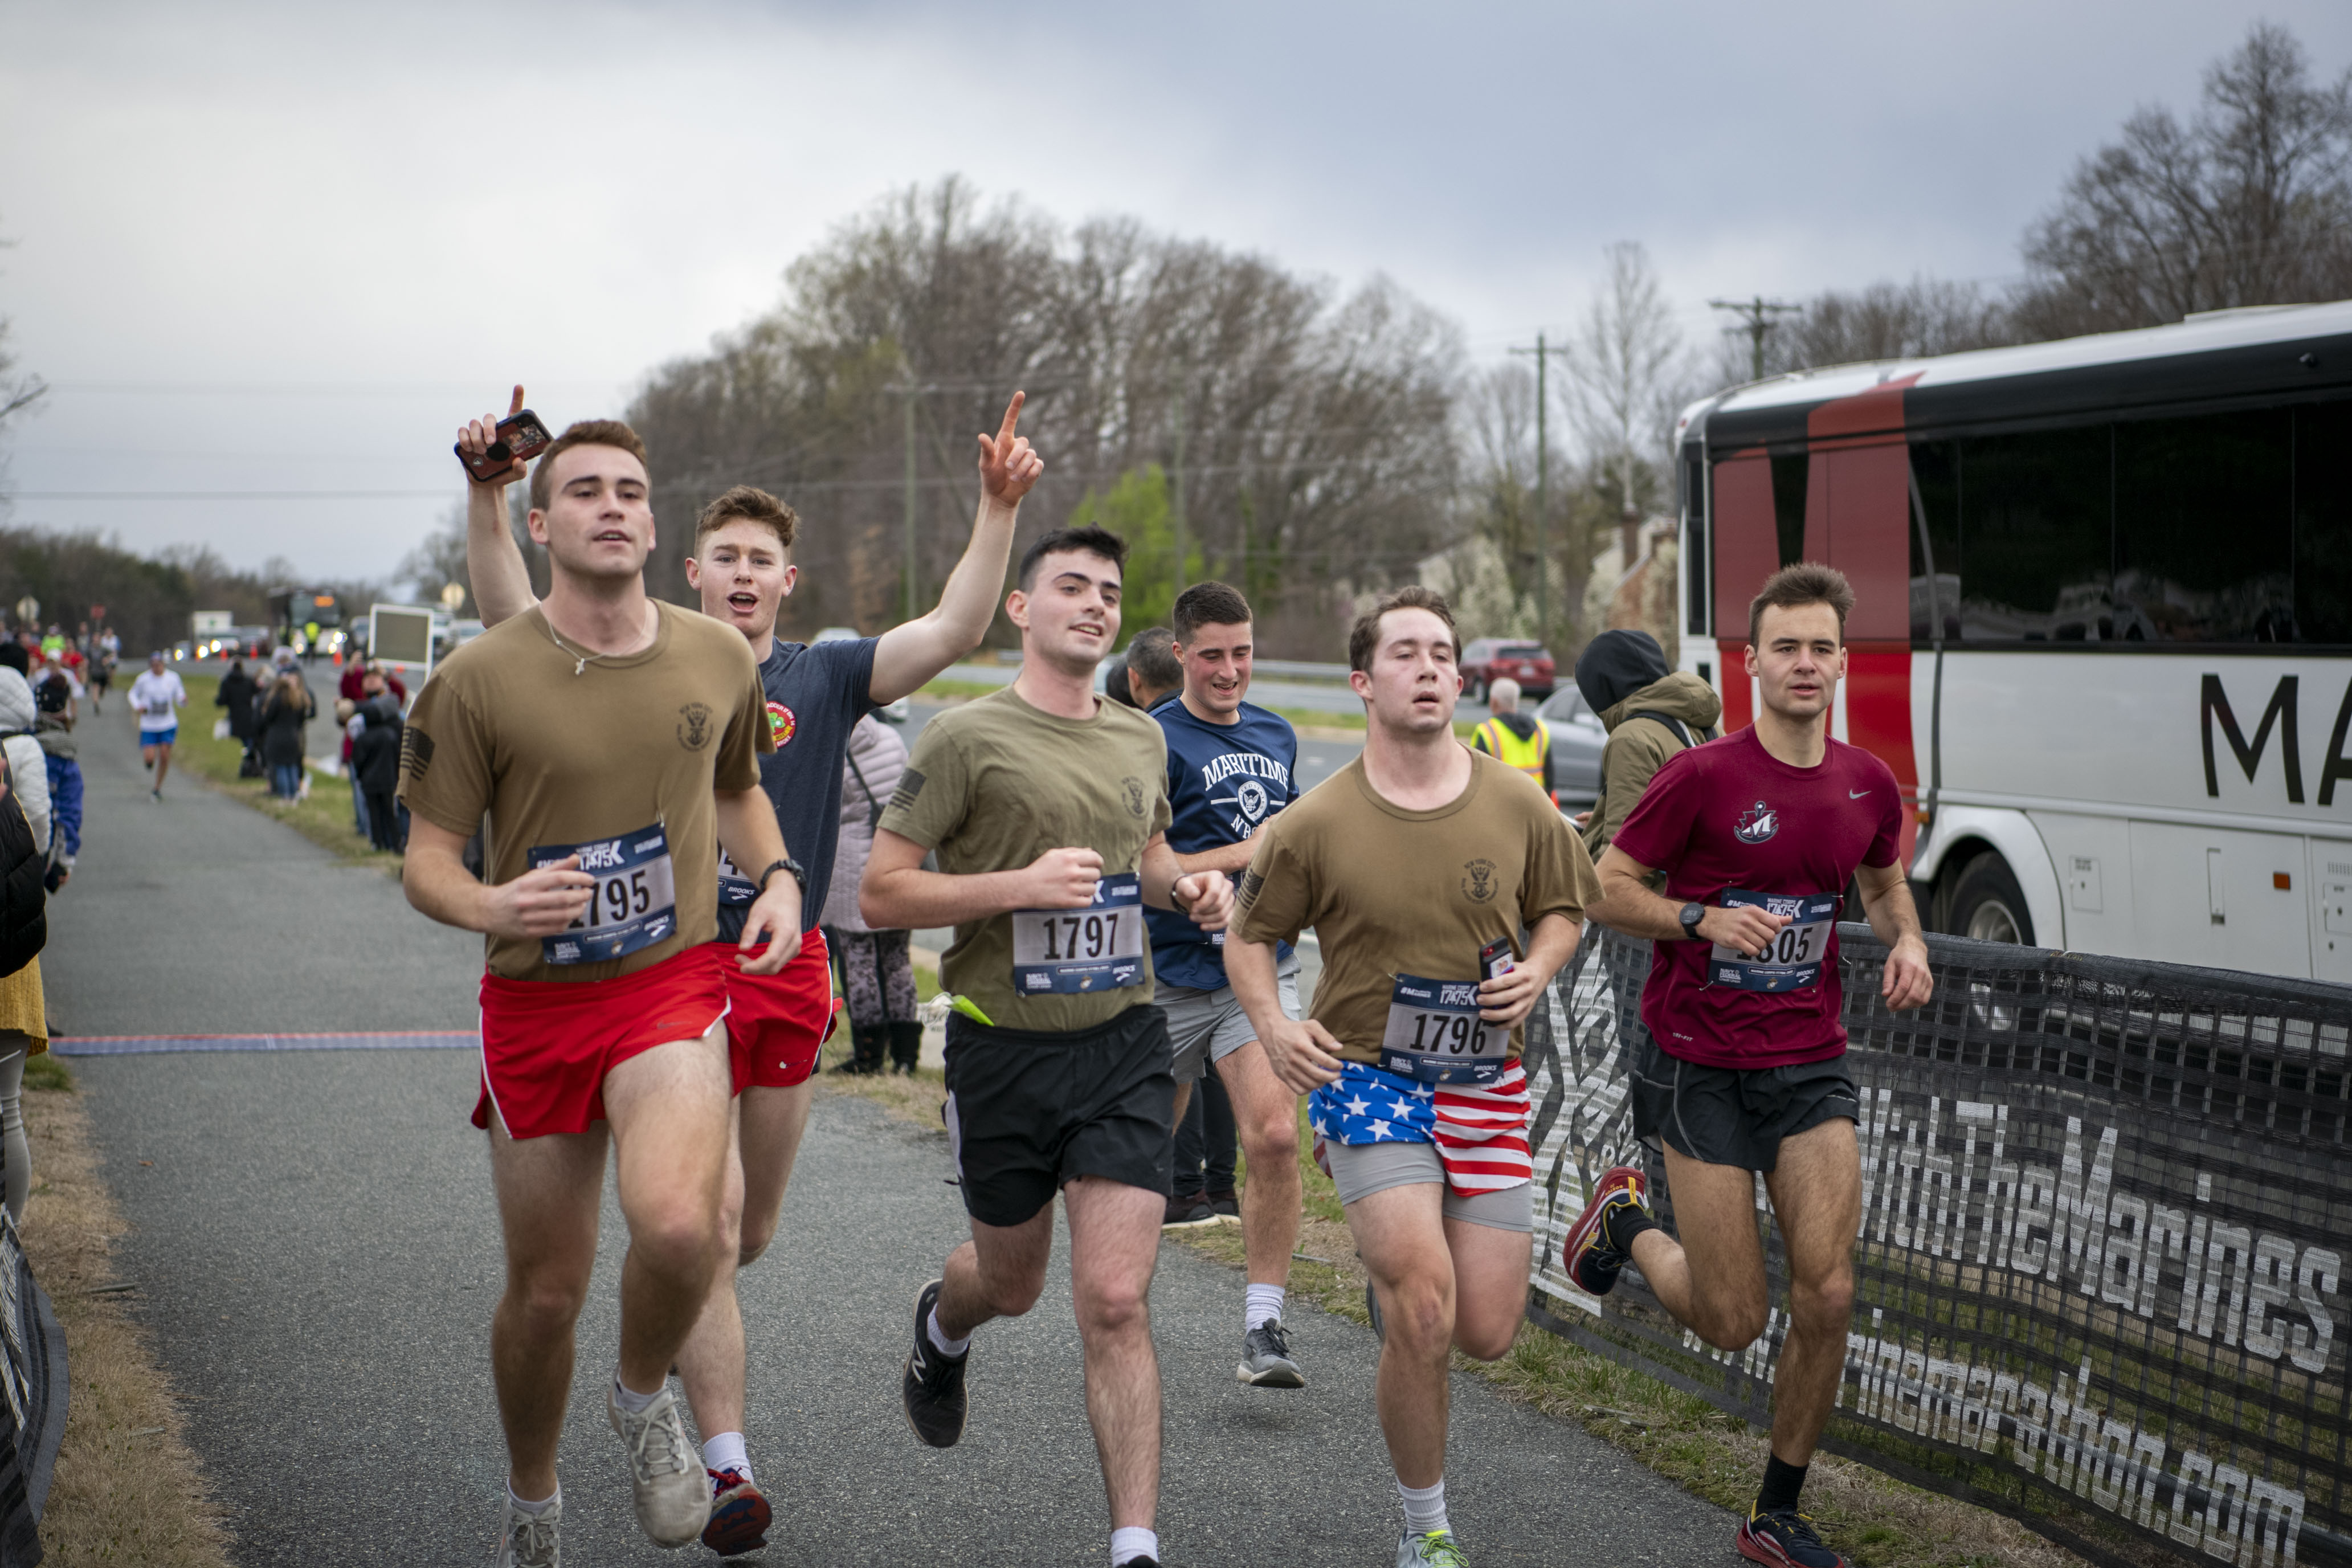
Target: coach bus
2103, 629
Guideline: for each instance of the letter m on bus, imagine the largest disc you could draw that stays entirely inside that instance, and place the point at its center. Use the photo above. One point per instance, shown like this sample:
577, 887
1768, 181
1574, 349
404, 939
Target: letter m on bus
2213, 703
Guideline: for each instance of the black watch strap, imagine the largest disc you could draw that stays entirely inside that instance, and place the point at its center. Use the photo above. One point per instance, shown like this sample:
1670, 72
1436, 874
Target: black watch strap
1690, 915
786, 864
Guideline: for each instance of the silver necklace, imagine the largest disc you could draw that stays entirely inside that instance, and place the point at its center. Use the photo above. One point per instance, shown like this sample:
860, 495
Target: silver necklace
581, 661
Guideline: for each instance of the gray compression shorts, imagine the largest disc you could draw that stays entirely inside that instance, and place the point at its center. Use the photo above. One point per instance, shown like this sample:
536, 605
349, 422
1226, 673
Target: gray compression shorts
1362, 1169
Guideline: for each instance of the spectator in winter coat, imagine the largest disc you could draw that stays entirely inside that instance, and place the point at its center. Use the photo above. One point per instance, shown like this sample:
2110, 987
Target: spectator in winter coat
28, 767
876, 966
24, 1011
288, 709
62, 754
360, 682
1651, 713
236, 695
375, 767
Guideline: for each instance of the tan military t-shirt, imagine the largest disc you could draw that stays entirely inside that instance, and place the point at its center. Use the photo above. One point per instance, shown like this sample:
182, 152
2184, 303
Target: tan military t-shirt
1389, 891
995, 784
618, 760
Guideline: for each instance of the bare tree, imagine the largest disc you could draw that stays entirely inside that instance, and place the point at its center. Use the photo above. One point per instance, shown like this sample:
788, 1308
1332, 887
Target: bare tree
1626, 378
2248, 202
1881, 321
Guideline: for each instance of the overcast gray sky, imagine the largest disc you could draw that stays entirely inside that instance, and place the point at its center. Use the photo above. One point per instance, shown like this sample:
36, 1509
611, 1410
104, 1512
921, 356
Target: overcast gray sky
273, 249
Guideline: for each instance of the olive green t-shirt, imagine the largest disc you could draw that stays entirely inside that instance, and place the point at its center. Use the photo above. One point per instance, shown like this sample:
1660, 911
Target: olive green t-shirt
597, 758
995, 784
1389, 891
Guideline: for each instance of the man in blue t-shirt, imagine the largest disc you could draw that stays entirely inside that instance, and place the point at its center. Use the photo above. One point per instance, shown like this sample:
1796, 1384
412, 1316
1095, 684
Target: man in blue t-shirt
1230, 770
742, 568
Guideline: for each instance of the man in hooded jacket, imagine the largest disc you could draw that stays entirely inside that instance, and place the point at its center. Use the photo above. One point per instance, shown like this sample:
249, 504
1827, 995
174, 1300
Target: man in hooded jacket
1649, 712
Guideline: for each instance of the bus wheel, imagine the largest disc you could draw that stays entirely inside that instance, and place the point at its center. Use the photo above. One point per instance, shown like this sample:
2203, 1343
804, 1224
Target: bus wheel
1989, 905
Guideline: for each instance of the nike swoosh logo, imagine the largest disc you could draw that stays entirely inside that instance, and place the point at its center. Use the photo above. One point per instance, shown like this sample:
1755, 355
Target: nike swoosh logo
1855, 794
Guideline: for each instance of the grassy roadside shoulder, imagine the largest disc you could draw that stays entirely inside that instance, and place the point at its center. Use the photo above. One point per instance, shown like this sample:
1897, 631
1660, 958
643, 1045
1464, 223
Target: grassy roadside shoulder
1877, 1521
127, 1489
324, 818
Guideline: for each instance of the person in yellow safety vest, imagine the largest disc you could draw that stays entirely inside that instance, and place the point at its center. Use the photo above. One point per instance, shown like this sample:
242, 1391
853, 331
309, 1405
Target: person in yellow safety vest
1518, 739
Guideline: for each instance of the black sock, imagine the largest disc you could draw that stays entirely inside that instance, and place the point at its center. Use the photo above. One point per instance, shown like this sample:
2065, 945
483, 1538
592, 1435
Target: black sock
1782, 1482
1622, 1224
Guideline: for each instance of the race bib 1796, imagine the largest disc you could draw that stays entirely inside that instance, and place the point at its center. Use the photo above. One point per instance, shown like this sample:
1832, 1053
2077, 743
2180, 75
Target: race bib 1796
1436, 1036
634, 905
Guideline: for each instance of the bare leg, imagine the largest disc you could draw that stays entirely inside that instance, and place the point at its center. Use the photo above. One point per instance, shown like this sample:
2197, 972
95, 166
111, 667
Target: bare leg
999, 1273
767, 1136
1114, 1244
1183, 1098
668, 1110
548, 1192
1267, 1113
163, 765
1712, 1281
1817, 1197
1490, 1286
1401, 1234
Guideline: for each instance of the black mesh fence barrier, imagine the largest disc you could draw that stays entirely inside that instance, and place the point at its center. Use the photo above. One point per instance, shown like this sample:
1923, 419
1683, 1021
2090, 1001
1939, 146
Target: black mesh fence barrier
2100, 1281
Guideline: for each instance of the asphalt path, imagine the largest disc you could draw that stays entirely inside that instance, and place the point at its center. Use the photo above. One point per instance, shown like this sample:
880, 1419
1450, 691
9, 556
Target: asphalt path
315, 1248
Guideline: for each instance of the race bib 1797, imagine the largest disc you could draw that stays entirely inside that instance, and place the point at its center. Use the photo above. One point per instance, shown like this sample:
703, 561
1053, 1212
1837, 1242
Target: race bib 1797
1098, 948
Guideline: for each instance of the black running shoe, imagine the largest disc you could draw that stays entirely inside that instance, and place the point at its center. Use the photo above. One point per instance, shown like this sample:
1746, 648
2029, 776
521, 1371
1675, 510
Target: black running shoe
933, 1384
1187, 1213
1784, 1539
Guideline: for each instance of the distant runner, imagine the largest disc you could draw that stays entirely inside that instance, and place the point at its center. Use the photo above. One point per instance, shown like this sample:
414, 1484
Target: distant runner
1758, 835
155, 697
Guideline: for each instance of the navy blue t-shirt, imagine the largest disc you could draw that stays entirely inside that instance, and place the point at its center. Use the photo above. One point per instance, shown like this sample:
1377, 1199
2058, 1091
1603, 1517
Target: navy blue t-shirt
816, 695
1222, 781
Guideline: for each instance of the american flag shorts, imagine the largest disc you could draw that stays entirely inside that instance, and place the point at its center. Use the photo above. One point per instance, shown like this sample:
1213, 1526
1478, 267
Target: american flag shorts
1480, 1129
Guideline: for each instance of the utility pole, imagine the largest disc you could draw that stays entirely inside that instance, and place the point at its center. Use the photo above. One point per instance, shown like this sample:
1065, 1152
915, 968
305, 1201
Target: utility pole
1543, 493
910, 389
1757, 314
1176, 510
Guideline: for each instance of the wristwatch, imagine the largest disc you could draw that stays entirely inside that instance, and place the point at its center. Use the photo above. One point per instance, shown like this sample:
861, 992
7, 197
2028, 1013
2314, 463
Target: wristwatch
786, 864
1690, 917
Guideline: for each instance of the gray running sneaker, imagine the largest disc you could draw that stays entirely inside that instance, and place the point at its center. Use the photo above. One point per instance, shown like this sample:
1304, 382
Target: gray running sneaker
529, 1540
1265, 1358
665, 1474
1435, 1549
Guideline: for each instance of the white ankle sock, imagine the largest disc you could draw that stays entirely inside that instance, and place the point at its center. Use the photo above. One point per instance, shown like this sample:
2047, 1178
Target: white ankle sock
939, 1336
1129, 1542
725, 1452
1424, 1507
1262, 1301
636, 1404
535, 1508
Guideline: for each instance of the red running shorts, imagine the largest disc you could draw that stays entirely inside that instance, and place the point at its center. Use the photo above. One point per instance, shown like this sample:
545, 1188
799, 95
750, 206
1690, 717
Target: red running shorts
775, 1023
547, 1044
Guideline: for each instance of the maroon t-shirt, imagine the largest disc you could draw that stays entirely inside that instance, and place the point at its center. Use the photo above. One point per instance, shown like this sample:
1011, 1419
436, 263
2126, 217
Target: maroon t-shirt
1729, 818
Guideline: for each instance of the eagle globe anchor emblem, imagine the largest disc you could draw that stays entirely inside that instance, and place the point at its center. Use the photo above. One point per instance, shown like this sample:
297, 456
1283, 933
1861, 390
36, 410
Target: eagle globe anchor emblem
1757, 823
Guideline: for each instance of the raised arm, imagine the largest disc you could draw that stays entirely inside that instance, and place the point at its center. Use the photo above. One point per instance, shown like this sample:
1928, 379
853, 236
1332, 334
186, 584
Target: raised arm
908, 656
493, 561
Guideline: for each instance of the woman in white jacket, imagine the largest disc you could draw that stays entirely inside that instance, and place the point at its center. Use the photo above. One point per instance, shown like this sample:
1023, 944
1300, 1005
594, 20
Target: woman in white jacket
23, 1014
876, 965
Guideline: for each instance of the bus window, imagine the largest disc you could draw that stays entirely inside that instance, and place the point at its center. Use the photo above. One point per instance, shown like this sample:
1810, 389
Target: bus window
1936, 465
1791, 478
2204, 529
2323, 522
2035, 537
1695, 582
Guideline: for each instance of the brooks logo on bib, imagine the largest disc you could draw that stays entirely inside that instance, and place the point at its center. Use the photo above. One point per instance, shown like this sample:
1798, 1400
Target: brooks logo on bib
734, 887
1792, 962
1098, 948
632, 905
1434, 1034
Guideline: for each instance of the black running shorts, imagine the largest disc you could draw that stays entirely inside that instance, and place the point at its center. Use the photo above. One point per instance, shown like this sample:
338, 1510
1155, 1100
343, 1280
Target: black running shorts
1028, 1112
1723, 1116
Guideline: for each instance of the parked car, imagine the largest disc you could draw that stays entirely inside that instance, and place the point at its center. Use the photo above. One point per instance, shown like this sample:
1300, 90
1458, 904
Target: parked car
897, 712
1577, 737
1489, 659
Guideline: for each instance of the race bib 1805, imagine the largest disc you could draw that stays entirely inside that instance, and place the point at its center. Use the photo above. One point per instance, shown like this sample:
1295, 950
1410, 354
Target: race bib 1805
634, 902
1436, 1036
1793, 960
1098, 948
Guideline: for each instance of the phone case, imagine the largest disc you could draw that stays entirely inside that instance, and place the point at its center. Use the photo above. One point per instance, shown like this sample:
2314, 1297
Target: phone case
520, 435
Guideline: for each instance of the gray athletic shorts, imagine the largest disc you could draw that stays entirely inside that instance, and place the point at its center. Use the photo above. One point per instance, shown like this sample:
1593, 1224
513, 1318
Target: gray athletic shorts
1362, 1169
1207, 1026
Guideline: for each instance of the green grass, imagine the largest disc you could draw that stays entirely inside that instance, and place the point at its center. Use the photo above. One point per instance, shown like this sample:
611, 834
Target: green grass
47, 1072
325, 818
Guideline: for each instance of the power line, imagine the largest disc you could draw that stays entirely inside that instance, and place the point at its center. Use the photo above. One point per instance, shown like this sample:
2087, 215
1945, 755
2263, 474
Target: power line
1757, 314
1543, 492
444, 493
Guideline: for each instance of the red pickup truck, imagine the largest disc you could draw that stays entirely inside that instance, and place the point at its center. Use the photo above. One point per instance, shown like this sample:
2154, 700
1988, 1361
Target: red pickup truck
1488, 660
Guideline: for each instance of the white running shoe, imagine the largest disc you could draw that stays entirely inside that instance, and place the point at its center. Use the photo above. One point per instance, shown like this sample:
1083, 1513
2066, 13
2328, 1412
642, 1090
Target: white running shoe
665, 1474
530, 1539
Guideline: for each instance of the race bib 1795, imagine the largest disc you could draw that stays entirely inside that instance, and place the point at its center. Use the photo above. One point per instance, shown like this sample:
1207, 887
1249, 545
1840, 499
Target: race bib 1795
634, 905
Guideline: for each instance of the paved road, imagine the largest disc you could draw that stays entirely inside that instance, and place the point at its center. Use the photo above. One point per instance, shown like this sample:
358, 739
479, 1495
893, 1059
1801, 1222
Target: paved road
317, 1252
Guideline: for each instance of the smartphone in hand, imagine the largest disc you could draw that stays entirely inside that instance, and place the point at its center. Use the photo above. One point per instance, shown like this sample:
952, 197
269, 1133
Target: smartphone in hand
521, 438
